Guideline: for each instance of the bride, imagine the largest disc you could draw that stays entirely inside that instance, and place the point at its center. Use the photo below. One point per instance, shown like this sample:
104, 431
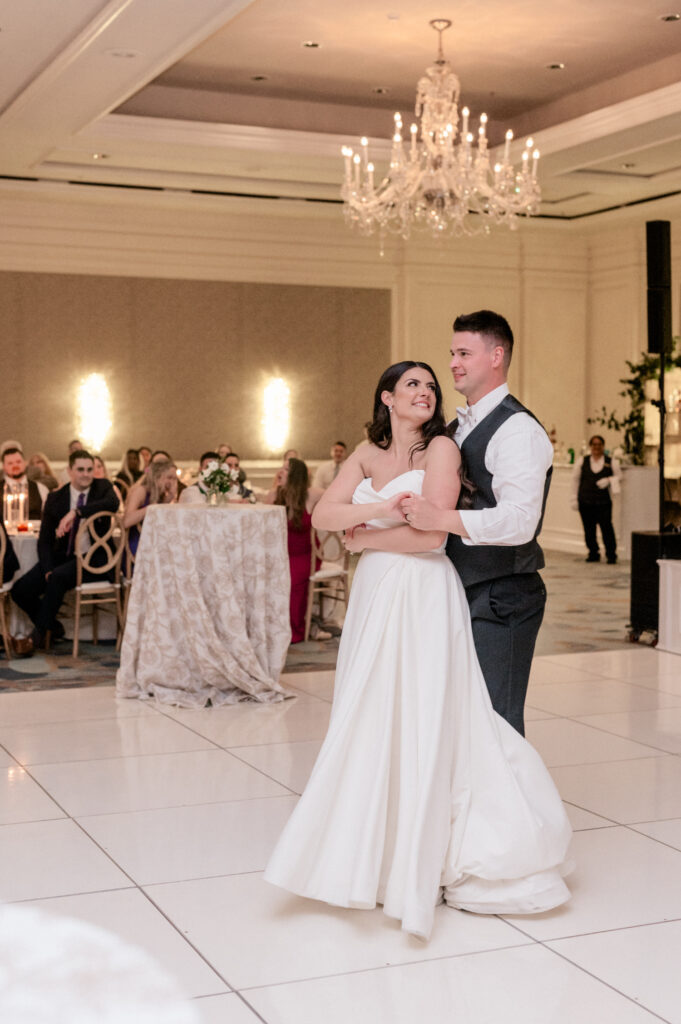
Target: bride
420, 791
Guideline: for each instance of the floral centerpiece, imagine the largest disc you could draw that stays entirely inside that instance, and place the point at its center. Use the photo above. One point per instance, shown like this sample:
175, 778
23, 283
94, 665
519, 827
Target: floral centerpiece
218, 482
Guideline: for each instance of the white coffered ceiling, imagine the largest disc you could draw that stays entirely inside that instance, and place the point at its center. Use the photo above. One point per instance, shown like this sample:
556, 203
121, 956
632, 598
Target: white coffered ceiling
221, 96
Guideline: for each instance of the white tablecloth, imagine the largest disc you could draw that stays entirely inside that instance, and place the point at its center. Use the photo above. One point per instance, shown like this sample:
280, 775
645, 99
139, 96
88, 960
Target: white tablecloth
208, 617
26, 549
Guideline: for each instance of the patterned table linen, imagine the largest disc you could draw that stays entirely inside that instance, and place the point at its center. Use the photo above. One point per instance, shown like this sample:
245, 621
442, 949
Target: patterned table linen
208, 617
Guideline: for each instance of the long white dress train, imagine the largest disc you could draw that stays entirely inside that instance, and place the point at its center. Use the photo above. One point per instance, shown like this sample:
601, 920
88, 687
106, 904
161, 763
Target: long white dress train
419, 783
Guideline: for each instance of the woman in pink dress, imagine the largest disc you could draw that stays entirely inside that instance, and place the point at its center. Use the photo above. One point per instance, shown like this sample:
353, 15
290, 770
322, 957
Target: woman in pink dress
299, 499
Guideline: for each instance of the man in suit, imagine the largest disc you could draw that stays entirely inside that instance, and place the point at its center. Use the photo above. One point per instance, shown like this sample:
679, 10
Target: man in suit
41, 590
14, 469
493, 545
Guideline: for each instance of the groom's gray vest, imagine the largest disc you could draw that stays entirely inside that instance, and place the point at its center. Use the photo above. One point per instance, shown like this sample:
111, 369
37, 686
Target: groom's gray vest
477, 562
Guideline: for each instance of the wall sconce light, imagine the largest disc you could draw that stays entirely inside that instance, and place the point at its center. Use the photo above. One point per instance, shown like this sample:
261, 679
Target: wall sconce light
94, 411
277, 413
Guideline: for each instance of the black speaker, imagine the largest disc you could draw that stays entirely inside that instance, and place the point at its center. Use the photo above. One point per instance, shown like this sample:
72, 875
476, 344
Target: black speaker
659, 319
646, 547
659, 268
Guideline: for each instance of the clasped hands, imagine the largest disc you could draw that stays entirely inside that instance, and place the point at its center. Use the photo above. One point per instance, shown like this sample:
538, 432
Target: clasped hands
410, 508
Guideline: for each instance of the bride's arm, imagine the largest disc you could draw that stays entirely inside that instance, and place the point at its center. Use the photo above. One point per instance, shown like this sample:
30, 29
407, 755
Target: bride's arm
335, 511
441, 486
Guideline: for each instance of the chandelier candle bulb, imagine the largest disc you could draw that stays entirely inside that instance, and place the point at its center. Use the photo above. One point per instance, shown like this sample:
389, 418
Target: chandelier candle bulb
356, 161
535, 161
370, 171
365, 155
465, 113
507, 146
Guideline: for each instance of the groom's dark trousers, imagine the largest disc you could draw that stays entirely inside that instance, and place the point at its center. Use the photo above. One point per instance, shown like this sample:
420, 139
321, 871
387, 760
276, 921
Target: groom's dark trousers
506, 614
506, 594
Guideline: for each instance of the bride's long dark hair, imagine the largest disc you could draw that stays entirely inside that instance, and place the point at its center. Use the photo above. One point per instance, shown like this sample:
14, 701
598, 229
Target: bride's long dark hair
380, 431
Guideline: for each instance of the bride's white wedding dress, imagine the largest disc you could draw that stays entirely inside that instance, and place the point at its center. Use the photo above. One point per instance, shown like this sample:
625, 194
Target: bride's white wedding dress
419, 783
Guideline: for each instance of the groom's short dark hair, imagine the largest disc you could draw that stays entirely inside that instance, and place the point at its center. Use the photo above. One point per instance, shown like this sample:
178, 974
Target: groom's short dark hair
491, 325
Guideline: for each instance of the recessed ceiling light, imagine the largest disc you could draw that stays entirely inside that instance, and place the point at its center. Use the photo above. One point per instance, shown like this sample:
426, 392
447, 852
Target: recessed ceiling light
123, 54
381, 90
100, 156
555, 67
670, 17
310, 44
627, 167
258, 78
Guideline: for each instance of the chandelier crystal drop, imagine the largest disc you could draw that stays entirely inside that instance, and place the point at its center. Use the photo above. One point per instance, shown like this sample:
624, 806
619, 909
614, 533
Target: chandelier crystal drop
439, 180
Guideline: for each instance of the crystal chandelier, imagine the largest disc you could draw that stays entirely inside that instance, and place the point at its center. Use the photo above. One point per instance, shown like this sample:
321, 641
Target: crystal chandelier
440, 180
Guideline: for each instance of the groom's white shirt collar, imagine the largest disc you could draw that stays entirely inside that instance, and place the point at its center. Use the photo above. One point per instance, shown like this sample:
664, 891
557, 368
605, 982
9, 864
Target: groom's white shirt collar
471, 415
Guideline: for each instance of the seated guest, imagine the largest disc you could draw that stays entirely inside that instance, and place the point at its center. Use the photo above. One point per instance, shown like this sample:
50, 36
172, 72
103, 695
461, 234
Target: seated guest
145, 455
158, 486
159, 456
14, 469
194, 494
41, 590
130, 471
223, 450
74, 446
39, 469
233, 461
299, 499
10, 562
280, 476
102, 473
328, 471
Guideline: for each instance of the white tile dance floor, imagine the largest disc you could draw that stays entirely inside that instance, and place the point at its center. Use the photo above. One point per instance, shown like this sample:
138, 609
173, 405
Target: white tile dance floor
156, 824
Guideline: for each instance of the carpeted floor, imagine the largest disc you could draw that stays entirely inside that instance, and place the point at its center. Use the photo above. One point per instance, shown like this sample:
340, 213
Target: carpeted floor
587, 610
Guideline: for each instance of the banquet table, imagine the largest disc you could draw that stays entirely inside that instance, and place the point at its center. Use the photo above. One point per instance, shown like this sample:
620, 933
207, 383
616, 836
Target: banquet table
25, 546
208, 614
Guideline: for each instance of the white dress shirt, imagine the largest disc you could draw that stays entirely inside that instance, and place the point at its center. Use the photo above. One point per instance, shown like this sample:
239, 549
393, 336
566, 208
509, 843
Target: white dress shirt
192, 496
518, 456
326, 473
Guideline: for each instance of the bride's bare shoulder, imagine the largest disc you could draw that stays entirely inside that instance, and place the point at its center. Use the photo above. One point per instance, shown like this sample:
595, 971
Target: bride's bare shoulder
443, 448
368, 456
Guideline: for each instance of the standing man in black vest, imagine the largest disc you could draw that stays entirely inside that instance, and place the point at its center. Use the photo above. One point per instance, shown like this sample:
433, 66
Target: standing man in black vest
507, 457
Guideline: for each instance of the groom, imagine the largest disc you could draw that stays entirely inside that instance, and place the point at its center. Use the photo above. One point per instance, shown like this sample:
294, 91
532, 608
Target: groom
493, 545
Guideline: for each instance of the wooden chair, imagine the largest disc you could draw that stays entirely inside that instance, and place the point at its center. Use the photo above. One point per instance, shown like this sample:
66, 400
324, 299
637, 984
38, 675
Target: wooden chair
5, 590
127, 571
330, 581
99, 593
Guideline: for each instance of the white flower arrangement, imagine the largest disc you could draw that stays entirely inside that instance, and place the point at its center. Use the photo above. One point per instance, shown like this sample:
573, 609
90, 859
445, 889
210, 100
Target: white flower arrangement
218, 478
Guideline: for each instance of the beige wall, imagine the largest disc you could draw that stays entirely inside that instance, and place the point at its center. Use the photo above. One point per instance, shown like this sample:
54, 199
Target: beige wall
574, 293
186, 361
